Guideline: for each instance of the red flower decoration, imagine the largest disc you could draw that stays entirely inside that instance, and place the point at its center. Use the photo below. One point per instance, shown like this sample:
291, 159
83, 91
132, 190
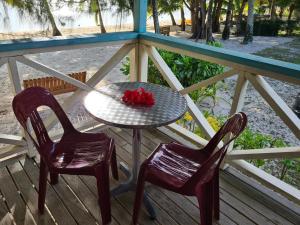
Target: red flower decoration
138, 97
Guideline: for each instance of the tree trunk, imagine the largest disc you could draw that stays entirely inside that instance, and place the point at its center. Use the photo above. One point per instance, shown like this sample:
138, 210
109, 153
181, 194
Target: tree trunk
281, 12
55, 30
289, 29
216, 17
226, 31
103, 30
194, 16
182, 19
173, 19
240, 18
155, 16
209, 36
203, 17
201, 32
291, 10
131, 5
272, 9
250, 21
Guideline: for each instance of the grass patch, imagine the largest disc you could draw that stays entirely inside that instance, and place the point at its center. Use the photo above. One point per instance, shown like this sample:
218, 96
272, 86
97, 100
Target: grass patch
289, 52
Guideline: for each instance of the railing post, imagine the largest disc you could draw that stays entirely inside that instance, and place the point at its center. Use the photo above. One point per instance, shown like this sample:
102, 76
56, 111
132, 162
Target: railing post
237, 103
133, 56
140, 15
139, 61
139, 64
17, 87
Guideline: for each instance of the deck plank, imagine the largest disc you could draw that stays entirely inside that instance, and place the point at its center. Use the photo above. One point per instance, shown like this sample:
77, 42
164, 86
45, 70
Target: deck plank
117, 211
9, 212
29, 194
17, 207
74, 199
244, 209
53, 202
5, 216
72, 202
255, 205
86, 196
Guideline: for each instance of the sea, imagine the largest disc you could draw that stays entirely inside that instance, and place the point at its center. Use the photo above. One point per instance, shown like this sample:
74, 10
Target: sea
11, 20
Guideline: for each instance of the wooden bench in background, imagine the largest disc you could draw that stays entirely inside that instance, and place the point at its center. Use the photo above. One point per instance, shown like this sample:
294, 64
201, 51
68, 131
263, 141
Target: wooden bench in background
54, 85
165, 30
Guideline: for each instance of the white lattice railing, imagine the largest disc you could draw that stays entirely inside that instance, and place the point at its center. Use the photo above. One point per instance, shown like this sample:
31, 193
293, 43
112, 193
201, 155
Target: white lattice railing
140, 48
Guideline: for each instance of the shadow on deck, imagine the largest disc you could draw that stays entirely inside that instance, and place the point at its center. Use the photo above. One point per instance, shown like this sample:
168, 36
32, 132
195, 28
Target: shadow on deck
74, 199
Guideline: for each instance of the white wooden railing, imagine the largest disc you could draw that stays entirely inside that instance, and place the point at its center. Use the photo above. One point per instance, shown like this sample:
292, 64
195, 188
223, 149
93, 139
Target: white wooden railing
139, 49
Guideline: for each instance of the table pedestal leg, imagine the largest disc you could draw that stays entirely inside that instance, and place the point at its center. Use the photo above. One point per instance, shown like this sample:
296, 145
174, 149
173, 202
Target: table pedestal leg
130, 185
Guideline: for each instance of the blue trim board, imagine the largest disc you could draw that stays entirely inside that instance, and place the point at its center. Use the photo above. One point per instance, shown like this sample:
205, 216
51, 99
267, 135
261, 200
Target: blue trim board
284, 68
32, 43
140, 15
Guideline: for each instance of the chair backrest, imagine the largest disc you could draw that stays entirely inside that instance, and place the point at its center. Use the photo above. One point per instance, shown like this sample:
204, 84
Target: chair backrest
228, 132
25, 106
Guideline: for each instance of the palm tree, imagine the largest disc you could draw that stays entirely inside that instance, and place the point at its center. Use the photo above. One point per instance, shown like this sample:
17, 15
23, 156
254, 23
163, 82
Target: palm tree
96, 6
123, 6
216, 15
91, 6
272, 4
226, 31
250, 20
240, 18
155, 16
169, 6
209, 36
198, 16
44, 5
41, 10
182, 18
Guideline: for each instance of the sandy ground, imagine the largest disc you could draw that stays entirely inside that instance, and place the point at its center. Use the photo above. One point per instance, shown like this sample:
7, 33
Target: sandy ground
259, 43
92, 58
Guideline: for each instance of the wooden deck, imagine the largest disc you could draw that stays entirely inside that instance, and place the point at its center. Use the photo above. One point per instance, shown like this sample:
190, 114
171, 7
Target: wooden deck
74, 199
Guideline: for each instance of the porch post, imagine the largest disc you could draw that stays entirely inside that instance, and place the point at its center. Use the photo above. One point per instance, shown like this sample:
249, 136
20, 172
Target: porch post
140, 15
139, 56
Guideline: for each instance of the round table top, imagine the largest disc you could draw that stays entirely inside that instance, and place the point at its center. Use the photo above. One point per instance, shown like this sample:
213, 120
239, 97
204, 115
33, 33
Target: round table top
106, 106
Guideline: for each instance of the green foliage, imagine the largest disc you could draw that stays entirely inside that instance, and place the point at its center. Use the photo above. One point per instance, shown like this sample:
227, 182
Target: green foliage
255, 140
188, 70
167, 6
271, 28
265, 27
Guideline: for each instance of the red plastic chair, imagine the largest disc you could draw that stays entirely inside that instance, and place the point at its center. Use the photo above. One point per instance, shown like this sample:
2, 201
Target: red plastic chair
190, 172
76, 153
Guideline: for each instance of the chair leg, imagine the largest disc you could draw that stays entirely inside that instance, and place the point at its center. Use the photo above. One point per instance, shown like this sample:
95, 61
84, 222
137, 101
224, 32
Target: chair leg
216, 196
42, 186
139, 194
204, 196
53, 178
114, 165
102, 176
